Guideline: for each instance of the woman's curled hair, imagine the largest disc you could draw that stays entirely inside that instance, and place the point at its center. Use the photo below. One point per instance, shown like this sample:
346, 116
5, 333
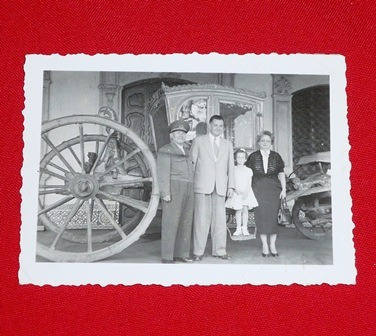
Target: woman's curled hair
269, 134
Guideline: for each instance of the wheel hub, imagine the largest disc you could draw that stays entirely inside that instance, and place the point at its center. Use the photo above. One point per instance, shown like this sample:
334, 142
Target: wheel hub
84, 186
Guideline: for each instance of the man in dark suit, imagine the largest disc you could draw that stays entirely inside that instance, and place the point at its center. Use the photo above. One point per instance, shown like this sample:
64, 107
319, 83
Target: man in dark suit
214, 179
175, 177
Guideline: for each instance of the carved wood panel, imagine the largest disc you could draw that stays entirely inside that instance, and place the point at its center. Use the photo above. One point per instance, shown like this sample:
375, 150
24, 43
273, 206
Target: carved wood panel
135, 102
134, 113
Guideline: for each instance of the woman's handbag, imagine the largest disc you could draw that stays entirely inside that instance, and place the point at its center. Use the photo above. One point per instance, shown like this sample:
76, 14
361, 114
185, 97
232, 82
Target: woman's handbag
284, 214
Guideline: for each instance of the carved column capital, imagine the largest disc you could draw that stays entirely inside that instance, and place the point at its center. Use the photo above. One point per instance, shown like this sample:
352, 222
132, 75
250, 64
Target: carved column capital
110, 90
281, 85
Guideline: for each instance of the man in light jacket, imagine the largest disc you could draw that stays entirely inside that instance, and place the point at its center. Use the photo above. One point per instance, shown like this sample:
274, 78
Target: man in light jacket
213, 180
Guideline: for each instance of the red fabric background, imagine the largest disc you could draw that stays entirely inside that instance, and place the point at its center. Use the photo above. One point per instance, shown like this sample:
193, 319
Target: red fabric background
69, 27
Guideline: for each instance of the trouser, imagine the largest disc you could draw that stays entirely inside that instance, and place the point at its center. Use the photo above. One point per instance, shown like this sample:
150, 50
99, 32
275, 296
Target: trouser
177, 221
209, 213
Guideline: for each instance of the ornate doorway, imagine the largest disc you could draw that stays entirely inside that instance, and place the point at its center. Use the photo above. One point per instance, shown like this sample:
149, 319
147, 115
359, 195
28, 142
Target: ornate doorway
310, 121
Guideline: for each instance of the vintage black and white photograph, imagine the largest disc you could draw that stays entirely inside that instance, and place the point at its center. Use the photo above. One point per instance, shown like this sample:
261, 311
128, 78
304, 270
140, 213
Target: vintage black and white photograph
186, 169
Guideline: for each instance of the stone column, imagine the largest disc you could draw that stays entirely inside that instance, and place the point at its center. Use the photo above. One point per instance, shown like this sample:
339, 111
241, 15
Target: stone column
282, 123
226, 79
109, 97
45, 117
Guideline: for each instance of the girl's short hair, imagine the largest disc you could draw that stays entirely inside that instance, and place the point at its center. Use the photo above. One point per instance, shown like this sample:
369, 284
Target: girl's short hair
269, 134
240, 150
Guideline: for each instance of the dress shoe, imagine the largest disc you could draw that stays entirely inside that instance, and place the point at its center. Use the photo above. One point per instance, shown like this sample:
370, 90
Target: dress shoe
223, 257
166, 261
274, 254
197, 258
265, 255
183, 260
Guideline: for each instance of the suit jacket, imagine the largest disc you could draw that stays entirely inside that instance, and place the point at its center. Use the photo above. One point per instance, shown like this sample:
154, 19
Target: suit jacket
208, 172
172, 164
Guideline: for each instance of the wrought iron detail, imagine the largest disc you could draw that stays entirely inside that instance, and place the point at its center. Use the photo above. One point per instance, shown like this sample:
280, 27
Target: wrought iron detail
99, 221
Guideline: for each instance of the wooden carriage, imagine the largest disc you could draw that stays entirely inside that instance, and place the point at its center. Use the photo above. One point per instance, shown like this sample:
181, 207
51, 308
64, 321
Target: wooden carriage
96, 170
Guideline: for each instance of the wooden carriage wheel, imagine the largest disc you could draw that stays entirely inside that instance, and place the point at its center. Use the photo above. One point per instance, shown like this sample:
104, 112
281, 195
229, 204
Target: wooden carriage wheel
312, 218
138, 165
93, 170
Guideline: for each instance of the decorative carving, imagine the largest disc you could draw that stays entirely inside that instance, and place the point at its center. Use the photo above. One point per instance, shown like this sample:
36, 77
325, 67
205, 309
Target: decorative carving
282, 86
236, 108
110, 90
136, 100
194, 112
152, 93
155, 101
169, 75
197, 87
139, 124
108, 113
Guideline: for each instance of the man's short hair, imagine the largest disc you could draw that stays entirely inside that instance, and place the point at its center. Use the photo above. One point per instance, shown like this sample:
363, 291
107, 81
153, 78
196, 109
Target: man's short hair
216, 117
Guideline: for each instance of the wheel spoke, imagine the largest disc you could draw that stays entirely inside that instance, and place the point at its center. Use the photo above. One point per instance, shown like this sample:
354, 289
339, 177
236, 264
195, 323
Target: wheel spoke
52, 186
81, 128
89, 214
58, 167
71, 214
121, 183
103, 207
101, 152
49, 172
96, 147
56, 204
53, 191
139, 205
75, 156
55, 150
127, 157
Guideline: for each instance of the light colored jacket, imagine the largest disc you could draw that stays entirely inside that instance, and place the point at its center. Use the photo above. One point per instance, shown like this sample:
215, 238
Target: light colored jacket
208, 172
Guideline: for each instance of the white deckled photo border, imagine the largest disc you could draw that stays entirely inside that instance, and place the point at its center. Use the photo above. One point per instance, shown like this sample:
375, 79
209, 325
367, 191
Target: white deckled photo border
342, 271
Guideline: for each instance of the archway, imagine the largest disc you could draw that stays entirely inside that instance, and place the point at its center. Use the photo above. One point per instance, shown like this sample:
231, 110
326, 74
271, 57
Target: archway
310, 121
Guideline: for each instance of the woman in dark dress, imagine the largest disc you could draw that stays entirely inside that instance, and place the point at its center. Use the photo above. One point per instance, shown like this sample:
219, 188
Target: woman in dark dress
269, 186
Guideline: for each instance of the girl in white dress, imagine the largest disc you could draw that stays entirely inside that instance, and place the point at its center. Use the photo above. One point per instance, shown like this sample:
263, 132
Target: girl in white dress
243, 198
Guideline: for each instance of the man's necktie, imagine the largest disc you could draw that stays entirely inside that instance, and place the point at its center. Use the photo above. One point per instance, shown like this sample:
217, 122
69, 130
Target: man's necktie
216, 148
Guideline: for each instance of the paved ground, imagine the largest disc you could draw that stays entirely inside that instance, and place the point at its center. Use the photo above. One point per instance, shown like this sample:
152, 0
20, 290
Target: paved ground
294, 249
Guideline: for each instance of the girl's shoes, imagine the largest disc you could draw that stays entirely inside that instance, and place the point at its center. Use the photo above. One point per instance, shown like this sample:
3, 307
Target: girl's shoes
238, 232
241, 231
245, 231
